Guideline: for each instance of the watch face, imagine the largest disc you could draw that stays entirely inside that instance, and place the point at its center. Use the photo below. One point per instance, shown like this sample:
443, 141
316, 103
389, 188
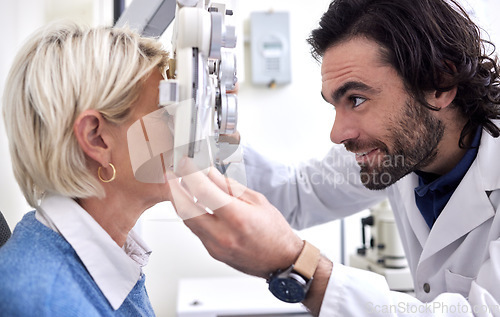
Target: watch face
287, 290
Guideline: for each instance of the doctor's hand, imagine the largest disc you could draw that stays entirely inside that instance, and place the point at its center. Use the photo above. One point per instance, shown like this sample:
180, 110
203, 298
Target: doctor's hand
244, 231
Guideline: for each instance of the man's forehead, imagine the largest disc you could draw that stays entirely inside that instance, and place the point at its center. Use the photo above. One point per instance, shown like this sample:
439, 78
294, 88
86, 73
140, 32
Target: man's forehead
355, 51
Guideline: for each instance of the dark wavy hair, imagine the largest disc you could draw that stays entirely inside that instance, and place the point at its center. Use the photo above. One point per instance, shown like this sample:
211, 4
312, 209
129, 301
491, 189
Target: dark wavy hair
432, 44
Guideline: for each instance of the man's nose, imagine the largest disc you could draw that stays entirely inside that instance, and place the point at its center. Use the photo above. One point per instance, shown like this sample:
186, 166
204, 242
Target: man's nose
344, 128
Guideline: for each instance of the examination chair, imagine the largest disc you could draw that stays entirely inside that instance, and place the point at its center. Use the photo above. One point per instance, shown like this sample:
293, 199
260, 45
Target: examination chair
4, 230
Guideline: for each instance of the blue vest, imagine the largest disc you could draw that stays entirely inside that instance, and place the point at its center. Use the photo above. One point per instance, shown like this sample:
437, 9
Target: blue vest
41, 275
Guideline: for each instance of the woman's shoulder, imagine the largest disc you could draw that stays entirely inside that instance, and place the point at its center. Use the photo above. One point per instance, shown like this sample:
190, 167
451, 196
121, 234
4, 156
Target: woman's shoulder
31, 239
38, 267
32, 252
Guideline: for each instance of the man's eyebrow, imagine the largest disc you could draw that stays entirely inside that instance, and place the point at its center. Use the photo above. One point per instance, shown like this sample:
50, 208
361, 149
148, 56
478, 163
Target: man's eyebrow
350, 85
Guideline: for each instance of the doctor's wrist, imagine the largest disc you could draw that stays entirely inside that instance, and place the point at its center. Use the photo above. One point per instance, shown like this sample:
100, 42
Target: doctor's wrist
319, 284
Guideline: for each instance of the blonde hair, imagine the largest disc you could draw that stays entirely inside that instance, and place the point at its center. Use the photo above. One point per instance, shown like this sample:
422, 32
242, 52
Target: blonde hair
62, 70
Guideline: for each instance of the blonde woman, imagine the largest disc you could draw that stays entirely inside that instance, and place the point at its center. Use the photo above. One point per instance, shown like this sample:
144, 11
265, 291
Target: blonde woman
70, 97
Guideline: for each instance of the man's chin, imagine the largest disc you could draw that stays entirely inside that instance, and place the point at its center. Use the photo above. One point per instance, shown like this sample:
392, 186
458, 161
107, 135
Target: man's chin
374, 186
381, 180
377, 181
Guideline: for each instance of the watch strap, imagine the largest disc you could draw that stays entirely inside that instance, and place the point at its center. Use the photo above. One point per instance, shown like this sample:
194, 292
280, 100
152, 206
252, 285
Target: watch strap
308, 260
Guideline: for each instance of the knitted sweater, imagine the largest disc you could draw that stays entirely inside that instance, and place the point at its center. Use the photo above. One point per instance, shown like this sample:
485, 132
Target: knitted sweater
41, 275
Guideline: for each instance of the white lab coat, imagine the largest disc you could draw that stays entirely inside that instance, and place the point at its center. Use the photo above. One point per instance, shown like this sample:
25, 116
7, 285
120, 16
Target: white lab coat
459, 259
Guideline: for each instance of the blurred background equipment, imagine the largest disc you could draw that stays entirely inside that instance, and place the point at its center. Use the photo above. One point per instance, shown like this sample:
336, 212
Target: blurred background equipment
384, 253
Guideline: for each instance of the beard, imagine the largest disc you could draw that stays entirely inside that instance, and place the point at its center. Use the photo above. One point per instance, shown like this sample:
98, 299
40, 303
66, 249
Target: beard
415, 134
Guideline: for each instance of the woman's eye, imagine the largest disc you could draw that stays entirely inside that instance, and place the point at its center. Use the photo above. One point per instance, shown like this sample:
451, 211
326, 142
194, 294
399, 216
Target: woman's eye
357, 101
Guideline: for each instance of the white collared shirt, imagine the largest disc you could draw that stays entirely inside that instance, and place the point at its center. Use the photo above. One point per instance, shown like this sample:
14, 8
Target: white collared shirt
115, 270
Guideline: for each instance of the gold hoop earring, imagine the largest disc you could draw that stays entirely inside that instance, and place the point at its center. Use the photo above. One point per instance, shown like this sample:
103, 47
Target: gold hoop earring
107, 180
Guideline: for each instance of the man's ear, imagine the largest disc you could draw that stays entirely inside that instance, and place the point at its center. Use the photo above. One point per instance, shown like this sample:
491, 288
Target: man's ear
89, 131
442, 99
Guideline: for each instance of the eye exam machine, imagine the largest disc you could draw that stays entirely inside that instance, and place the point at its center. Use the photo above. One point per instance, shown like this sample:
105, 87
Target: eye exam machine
200, 74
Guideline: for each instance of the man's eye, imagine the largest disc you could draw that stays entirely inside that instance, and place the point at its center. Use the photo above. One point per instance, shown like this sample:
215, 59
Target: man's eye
357, 101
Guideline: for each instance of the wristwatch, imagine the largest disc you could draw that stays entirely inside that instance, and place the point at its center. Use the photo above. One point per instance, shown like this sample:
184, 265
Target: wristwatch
291, 285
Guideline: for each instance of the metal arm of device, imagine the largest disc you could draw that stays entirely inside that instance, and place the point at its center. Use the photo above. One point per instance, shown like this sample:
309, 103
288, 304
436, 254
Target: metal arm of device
149, 17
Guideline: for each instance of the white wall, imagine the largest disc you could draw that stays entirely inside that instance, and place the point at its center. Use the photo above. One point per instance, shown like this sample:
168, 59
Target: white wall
18, 19
15, 24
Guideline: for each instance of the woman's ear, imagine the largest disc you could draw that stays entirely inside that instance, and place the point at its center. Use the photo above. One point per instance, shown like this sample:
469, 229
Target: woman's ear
89, 131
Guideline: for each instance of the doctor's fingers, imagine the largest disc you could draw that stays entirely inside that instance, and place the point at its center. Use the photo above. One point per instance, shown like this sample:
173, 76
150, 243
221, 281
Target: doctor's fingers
212, 191
204, 225
184, 203
202, 187
227, 184
236, 189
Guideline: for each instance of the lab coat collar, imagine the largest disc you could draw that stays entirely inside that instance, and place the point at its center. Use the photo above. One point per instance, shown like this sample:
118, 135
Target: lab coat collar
406, 188
115, 270
467, 208
489, 152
